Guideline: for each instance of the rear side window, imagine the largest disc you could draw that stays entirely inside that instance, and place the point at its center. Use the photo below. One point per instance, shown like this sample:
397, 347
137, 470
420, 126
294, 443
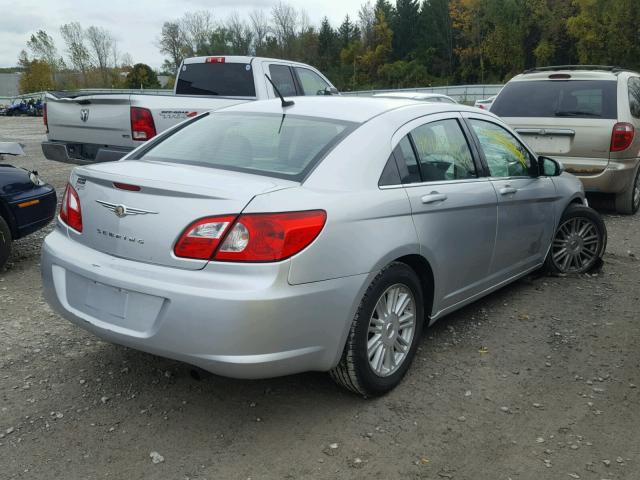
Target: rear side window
407, 163
312, 83
224, 79
558, 98
634, 96
443, 151
284, 146
283, 78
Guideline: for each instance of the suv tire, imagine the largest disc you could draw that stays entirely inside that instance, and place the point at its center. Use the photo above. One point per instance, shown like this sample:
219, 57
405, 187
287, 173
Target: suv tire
628, 202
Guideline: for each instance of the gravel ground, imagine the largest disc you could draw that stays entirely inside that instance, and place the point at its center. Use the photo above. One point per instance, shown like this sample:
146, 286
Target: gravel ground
540, 380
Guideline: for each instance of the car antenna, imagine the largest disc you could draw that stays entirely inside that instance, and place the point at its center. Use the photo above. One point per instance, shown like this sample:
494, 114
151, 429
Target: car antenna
285, 103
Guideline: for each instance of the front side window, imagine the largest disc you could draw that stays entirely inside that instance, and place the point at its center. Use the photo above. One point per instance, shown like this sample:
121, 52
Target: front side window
634, 96
505, 155
443, 151
284, 146
283, 78
312, 83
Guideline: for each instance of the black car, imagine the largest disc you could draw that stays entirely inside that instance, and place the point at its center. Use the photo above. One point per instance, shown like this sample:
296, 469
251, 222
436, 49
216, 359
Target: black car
26, 202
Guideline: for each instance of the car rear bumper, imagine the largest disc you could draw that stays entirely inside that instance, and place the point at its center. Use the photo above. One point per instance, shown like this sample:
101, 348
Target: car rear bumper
72, 152
235, 320
616, 177
34, 210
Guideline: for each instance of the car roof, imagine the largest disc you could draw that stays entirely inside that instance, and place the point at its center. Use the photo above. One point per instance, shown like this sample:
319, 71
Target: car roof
344, 108
574, 72
239, 59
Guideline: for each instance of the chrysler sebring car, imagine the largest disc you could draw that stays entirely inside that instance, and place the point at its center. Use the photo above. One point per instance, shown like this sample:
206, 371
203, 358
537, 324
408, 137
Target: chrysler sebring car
273, 238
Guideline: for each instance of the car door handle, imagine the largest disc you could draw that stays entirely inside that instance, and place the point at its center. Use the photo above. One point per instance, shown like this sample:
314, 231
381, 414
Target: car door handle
507, 190
434, 197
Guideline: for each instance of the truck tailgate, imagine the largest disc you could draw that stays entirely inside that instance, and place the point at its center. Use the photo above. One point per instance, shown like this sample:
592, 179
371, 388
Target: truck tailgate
101, 119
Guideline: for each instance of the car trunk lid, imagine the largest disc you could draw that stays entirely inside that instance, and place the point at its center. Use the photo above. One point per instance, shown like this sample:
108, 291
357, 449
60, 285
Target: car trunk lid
144, 225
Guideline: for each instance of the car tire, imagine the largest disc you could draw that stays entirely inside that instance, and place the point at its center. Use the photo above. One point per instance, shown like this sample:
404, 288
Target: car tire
356, 370
628, 202
578, 243
5, 242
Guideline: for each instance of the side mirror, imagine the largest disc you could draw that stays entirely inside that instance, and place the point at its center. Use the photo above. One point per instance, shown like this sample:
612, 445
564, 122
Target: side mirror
329, 91
550, 167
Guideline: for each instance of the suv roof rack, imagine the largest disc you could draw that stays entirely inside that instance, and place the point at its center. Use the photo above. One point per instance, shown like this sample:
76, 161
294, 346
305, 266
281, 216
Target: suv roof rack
606, 68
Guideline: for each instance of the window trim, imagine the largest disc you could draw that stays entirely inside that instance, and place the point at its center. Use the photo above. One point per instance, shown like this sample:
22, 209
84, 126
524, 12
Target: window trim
467, 117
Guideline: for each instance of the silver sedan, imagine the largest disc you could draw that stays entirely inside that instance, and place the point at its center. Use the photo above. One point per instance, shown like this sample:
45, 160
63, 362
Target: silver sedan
269, 239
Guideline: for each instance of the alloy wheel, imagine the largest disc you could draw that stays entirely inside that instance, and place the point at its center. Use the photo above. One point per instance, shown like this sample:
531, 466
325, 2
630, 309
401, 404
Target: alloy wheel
391, 330
576, 245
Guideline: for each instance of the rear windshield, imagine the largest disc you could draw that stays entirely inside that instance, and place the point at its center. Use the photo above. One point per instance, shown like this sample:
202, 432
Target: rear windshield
555, 98
225, 79
283, 146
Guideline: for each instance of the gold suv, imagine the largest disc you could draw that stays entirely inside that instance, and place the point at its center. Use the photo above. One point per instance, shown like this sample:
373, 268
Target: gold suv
586, 116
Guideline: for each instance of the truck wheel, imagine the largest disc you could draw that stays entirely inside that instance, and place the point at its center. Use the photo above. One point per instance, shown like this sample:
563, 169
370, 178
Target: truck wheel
5, 242
384, 335
628, 202
579, 242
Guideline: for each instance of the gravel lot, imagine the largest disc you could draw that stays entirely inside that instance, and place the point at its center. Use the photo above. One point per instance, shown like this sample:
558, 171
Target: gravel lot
540, 380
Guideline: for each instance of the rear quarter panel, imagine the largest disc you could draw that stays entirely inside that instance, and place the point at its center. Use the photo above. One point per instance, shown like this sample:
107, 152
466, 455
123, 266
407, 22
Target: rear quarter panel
367, 227
169, 110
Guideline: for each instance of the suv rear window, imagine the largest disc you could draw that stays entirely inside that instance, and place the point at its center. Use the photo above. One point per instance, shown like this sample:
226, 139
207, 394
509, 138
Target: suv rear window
224, 79
556, 98
283, 146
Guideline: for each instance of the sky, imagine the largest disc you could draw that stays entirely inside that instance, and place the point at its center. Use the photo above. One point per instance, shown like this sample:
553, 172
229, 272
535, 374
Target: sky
135, 24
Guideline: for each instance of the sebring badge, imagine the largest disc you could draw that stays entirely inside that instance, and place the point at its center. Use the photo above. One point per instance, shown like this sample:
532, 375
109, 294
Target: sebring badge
84, 114
123, 210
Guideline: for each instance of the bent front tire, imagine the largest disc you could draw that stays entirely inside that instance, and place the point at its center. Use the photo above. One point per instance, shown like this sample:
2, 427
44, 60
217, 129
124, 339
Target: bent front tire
384, 334
579, 242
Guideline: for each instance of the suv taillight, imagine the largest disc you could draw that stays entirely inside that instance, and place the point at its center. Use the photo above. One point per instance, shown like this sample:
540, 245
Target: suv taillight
252, 237
142, 126
70, 211
622, 136
44, 117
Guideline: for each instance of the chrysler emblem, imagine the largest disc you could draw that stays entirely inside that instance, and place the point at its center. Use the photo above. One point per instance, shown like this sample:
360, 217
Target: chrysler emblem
120, 211
123, 210
84, 114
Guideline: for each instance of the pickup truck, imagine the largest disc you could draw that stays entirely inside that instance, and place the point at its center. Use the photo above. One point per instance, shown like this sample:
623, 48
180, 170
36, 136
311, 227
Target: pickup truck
84, 129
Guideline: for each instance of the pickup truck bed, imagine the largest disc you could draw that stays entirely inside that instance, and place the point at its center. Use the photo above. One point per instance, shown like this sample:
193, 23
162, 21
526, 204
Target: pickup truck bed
104, 127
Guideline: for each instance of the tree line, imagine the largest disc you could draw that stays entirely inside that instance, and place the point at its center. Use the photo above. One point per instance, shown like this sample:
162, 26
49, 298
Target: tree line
408, 43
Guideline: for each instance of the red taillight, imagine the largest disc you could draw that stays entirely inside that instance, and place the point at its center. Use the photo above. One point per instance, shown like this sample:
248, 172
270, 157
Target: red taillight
201, 238
44, 117
214, 60
253, 237
70, 211
622, 136
142, 126
270, 237
127, 186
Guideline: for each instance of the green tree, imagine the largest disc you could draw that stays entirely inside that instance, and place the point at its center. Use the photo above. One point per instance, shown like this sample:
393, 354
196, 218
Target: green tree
142, 76
405, 26
37, 75
328, 50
